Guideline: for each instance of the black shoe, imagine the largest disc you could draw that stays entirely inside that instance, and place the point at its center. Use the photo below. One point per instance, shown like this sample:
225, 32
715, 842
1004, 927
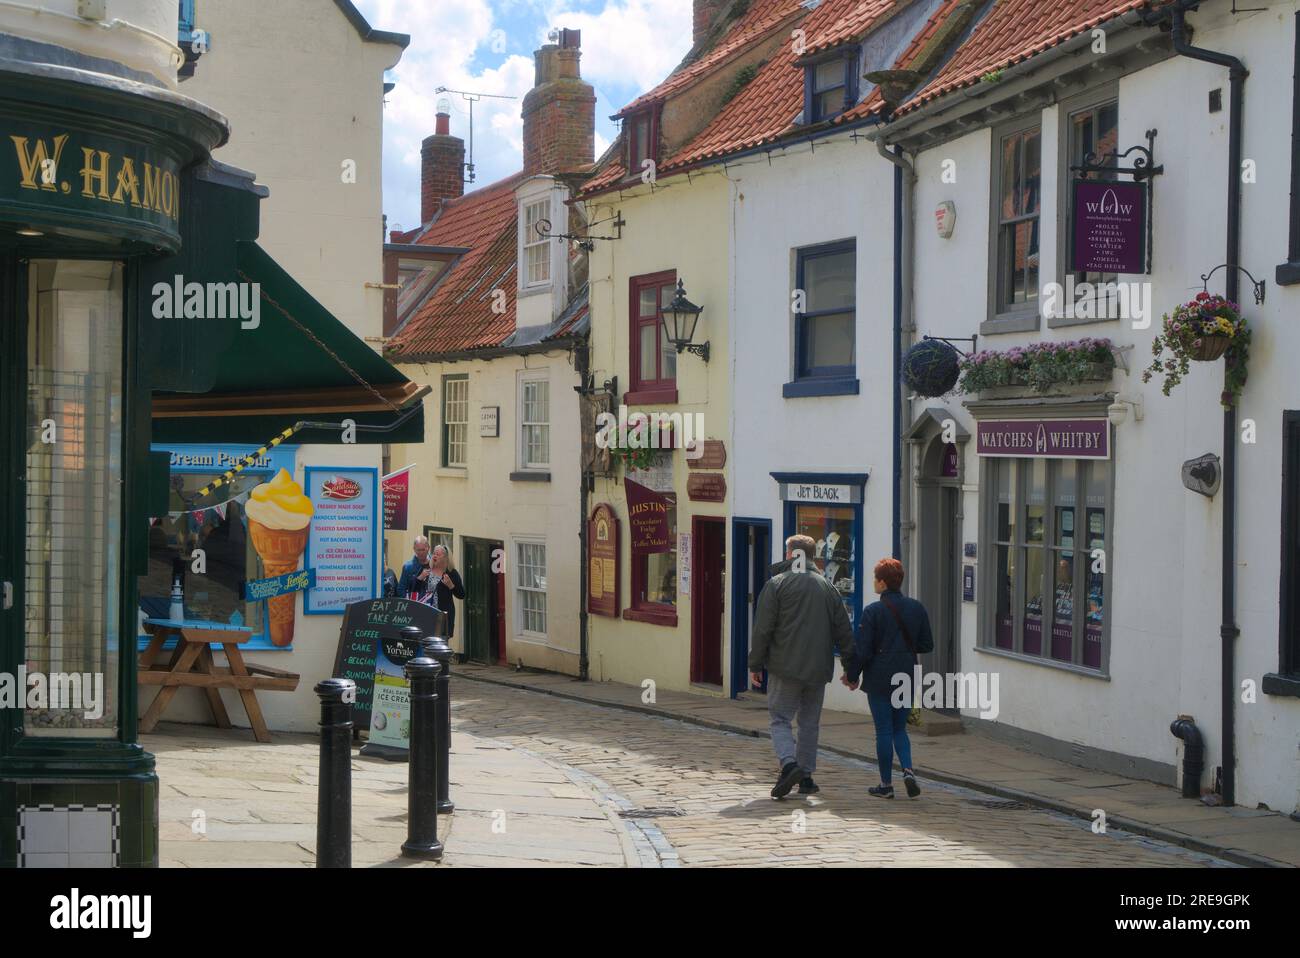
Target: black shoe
913, 789
881, 791
808, 787
790, 773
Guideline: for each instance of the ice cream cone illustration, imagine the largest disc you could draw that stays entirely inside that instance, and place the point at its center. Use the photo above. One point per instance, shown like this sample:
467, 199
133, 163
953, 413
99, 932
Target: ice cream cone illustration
278, 519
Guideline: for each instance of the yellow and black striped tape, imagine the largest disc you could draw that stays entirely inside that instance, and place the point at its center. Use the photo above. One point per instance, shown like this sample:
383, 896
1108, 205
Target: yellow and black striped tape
248, 460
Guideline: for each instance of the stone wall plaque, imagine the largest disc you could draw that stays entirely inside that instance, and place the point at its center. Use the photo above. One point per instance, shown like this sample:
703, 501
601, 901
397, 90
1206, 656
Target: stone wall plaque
706, 487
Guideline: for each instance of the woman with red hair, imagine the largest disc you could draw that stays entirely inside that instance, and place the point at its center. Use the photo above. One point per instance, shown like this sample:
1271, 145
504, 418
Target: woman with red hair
894, 631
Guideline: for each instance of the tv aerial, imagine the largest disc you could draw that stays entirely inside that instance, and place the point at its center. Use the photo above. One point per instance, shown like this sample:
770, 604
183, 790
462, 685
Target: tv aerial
444, 105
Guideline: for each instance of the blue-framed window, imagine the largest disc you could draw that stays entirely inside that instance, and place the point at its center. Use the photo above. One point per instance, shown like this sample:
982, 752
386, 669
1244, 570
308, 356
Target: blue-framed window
830, 87
825, 326
220, 529
185, 20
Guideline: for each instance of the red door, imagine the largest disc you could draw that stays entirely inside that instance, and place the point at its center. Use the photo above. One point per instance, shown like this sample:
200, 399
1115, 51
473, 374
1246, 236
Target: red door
708, 588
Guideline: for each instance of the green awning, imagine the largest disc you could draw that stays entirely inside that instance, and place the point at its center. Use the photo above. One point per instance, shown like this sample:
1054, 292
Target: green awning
299, 363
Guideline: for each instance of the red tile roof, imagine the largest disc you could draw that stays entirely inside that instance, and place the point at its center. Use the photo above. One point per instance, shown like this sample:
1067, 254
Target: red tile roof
750, 28
1015, 30
765, 108
459, 314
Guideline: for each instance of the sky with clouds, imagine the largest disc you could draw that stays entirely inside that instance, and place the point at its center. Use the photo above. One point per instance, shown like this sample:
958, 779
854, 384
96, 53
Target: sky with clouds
486, 46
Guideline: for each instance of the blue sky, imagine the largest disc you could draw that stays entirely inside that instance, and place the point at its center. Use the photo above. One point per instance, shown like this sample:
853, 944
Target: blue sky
486, 46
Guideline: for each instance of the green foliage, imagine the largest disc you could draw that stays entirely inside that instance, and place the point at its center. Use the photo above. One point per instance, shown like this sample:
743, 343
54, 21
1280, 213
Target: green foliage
993, 76
1038, 365
1185, 333
739, 82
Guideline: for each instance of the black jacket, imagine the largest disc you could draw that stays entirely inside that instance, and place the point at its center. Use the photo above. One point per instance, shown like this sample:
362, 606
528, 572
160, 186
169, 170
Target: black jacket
444, 599
879, 649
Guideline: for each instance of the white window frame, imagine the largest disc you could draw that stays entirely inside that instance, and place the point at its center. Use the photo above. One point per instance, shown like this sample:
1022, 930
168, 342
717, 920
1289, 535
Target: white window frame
447, 423
529, 240
523, 378
518, 591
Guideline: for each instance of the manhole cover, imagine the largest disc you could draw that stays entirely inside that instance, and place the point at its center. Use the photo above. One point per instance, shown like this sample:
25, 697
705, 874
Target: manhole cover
651, 813
996, 803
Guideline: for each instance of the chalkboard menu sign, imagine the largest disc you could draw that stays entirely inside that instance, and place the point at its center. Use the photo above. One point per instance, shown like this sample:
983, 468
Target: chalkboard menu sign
365, 625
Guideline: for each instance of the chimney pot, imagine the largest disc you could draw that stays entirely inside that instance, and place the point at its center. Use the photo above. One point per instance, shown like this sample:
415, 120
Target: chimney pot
560, 111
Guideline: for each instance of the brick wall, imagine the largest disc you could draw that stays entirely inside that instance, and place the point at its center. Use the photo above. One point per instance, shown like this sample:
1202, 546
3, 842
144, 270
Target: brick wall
442, 172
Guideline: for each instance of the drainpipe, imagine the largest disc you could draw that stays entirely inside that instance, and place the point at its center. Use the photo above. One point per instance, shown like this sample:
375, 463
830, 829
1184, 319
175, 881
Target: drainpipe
1228, 631
581, 362
1193, 754
904, 327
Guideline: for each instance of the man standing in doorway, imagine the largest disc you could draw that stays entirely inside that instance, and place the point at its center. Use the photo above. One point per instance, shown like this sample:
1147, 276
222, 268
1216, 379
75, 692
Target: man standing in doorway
799, 623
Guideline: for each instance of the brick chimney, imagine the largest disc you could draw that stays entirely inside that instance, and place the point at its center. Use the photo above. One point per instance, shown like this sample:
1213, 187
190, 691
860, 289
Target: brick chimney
706, 15
442, 167
560, 110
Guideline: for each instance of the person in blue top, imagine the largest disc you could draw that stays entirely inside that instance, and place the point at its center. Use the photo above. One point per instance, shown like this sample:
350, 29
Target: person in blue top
893, 632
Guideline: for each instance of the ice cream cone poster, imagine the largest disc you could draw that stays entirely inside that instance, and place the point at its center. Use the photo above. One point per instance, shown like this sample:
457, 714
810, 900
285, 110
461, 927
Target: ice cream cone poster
345, 533
279, 523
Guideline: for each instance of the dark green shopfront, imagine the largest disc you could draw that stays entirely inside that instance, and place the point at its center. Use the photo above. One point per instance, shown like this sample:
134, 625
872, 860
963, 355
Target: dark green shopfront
107, 190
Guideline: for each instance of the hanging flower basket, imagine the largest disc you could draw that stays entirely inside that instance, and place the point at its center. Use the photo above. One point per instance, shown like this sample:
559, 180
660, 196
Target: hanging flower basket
1203, 330
931, 368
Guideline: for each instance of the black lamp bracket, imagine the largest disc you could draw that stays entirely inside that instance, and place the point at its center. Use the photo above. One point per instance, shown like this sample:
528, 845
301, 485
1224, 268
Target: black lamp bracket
1143, 167
958, 339
586, 243
1257, 285
698, 349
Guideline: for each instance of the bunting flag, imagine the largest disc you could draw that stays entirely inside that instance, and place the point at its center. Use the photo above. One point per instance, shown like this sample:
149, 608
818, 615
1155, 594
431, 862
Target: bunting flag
221, 510
198, 516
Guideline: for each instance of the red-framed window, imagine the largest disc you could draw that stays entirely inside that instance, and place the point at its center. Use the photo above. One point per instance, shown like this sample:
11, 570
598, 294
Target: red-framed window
653, 358
642, 140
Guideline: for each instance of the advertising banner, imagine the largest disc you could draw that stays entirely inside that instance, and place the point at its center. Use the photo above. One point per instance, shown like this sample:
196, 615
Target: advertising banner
397, 488
343, 543
1044, 438
648, 519
1110, 227
390, 710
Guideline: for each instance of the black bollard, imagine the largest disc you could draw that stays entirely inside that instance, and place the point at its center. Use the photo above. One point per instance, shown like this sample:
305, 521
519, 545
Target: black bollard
436, 647
422, 782
334, 792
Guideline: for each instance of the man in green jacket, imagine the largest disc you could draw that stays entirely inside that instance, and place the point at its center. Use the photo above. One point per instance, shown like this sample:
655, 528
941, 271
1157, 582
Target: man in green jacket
799, 622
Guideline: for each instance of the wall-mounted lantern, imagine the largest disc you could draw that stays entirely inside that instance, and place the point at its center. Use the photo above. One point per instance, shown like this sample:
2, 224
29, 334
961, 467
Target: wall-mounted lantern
680, 319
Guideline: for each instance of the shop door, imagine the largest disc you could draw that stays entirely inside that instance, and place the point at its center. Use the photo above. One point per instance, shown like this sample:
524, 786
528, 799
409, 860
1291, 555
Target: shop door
708, 576
12, 378
752, 555
480, 591
941, 589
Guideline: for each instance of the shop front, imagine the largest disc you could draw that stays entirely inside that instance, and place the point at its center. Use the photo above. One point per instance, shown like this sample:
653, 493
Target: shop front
1045, 560
108, 195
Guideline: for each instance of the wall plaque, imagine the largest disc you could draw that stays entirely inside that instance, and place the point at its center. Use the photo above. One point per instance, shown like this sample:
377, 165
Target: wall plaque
1110, 226
706, 487
489, 421
712, 456
602, 561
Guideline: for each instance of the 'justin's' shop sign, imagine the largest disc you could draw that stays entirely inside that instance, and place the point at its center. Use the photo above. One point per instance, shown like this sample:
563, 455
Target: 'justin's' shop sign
1044, 438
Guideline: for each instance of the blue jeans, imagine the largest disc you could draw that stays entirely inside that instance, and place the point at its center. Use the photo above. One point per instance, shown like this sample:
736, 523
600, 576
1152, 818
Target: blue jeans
891, 735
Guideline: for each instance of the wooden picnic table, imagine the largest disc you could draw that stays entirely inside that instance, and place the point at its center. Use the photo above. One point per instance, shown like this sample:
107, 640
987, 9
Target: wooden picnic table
192, 664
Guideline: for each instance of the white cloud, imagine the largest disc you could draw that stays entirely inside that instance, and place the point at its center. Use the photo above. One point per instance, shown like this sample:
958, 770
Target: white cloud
628, 47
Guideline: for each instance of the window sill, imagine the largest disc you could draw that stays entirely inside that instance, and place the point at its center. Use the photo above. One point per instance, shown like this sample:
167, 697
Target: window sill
666, 617
534, 290
530, 476
830, 386
1054, 322
451, 472
1288, 685
1047, 662
1288, 274
648, 397
1019, 321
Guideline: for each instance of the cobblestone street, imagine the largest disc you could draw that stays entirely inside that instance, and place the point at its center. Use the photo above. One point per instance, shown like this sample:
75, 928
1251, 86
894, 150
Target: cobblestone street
695, 796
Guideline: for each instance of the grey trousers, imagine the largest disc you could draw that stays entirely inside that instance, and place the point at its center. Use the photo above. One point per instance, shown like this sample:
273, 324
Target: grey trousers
789, 700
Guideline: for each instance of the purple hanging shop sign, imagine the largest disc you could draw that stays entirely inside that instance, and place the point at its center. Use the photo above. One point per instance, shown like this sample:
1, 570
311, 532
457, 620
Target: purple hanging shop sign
1044, 438
1110, 227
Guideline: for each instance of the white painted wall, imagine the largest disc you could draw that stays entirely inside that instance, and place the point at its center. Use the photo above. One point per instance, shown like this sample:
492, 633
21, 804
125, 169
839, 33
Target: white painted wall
843, 190
1165, 551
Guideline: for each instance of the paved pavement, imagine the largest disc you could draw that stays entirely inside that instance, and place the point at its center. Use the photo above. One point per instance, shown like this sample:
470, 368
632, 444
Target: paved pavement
542, 778
1241, 835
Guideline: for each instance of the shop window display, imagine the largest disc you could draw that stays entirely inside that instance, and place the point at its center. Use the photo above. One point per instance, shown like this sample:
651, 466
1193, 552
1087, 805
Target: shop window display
831, 528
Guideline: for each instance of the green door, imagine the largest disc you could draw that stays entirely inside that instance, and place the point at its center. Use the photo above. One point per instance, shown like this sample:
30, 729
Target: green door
478, 586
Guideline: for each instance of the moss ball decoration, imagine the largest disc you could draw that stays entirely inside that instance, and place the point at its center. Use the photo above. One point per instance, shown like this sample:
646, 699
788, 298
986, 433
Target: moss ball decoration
931, 367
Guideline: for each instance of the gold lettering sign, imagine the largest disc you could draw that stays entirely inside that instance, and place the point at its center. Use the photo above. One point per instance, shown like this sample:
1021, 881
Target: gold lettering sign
107, 176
